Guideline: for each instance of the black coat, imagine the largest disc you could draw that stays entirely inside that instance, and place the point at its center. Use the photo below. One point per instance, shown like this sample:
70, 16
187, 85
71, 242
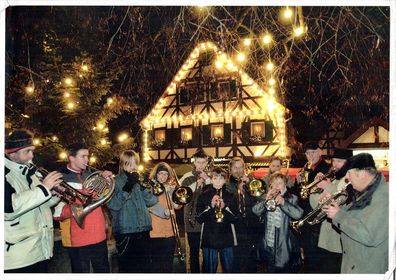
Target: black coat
249, 225
216, 235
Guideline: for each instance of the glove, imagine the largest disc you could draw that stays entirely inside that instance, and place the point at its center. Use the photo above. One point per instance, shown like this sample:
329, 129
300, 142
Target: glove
132, 179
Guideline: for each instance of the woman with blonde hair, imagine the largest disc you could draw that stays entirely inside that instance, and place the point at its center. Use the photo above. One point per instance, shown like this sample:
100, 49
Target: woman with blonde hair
162, 235
131, 219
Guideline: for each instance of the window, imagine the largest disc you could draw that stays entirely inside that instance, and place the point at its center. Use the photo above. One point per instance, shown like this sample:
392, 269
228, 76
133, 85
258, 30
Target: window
257, 132
186, 134
159, 135
258, 129
217, 131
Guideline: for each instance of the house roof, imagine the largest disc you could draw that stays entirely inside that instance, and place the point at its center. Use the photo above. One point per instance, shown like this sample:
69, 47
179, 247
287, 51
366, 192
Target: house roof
360, 131
223, 63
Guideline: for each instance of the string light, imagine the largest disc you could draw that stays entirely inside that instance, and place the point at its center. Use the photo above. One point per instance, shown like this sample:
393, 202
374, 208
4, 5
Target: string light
68, 81
298, 31
66, 94
267, 39
71, 105
29, 89
123, 137
103, 142
247, 42
100, 125
85, 68
272, 107
241, 57
287, 13
92, 159
36, 142
63, 155
269, 66
54, 138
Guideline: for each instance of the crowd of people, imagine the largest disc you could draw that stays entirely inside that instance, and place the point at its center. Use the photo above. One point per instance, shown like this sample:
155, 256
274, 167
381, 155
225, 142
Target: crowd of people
223, 218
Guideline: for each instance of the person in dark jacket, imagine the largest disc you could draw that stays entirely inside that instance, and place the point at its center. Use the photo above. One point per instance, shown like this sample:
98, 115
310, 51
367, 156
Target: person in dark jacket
247, 226
131, 219
216, 209
310, 234
277, 246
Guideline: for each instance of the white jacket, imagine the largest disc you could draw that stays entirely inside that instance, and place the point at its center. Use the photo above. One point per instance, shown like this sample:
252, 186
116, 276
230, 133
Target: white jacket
28, 227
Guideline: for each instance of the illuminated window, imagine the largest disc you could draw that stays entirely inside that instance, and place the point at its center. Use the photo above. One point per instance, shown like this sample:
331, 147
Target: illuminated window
186, 134
217, 131
159, 135
257, 129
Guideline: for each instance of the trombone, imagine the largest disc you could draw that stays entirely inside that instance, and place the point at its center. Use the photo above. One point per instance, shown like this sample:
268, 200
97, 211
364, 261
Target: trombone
181, 195
175, 227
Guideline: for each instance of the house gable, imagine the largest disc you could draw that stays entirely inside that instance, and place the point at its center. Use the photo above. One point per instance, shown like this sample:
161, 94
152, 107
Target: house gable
196, 97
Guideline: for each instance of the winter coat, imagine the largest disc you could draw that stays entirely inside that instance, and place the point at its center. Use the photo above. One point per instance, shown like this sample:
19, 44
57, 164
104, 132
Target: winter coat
364, 230
28, 226
329, 236
249, 226
285, 243
213, 234
94, 224
129, 211
190, 180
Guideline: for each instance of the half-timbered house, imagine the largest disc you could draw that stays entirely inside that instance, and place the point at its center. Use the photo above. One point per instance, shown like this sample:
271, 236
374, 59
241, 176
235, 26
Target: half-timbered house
213, 104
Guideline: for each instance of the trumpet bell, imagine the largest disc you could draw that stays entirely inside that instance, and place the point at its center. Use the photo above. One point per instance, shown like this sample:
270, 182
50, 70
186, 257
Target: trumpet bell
256, 188
270, 205
182, 195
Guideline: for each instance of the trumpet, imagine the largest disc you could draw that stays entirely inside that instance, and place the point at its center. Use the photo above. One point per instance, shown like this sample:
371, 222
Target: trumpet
219, 215
152, 185
270, 203
100, 191
317, 215
311, 188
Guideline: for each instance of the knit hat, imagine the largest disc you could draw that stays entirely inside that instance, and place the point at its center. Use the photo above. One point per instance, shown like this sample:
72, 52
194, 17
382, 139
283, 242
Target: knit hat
162, 167
17, 140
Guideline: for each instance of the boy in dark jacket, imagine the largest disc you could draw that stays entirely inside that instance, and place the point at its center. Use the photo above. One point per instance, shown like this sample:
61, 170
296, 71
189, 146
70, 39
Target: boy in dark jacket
216, 209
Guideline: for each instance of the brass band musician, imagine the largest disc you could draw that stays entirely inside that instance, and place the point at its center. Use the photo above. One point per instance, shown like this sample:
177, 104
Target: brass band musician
363, 223
247, 225
310, 235
196, 180
329, 237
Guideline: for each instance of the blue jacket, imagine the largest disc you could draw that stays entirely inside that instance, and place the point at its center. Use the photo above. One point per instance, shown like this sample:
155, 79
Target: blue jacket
129, 211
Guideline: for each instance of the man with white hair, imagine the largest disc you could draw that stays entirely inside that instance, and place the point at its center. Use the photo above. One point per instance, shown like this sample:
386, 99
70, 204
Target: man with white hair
363, 222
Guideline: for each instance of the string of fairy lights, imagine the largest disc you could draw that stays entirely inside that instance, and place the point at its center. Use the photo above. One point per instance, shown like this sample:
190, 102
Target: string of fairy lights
70, 101
222, 63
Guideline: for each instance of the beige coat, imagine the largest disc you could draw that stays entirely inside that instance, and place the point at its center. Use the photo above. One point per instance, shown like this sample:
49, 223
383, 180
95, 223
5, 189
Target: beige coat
329, 237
